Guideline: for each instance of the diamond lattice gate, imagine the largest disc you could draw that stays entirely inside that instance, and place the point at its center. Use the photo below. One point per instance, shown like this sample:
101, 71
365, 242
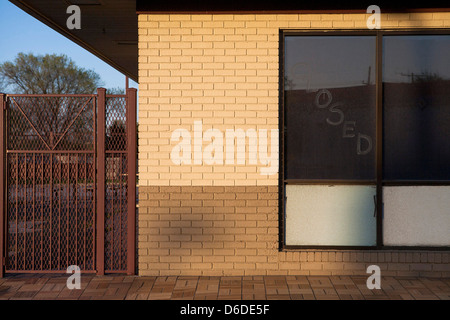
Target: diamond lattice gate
68, 182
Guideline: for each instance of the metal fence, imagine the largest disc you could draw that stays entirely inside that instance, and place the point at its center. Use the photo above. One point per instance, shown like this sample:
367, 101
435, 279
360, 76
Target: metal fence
67, 162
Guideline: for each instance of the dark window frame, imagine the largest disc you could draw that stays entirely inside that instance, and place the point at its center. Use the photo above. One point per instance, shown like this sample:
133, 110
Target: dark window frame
379, 181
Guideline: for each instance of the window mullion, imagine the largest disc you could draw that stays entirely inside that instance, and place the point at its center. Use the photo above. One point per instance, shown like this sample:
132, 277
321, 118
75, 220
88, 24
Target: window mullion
379, 136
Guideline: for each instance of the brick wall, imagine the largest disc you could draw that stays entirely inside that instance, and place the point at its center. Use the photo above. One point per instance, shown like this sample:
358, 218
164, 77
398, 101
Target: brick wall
222, 218
192, 230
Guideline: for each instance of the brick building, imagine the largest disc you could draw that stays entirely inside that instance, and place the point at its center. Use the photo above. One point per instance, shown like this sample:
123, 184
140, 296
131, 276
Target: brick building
224, 218
271, 141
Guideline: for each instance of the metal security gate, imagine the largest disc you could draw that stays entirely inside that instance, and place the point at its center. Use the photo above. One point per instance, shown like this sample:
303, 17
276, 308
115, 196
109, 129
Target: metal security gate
68, 176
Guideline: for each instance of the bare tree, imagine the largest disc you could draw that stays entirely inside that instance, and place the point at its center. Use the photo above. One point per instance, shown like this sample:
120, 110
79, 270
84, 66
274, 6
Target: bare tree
47, 74
62, 121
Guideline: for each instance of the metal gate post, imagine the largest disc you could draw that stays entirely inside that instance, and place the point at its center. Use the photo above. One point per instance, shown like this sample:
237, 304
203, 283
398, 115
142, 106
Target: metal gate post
131, 201
2, 181
101, 183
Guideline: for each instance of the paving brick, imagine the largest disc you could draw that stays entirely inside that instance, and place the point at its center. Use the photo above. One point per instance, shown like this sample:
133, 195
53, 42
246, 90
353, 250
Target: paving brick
50, 287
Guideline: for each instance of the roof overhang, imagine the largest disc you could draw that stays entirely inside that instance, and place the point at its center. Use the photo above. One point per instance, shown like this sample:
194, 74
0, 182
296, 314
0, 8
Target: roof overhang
109, 28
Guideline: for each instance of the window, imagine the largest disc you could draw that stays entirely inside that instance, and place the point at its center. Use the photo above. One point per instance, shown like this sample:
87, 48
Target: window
366, 123
330, 107
416, 104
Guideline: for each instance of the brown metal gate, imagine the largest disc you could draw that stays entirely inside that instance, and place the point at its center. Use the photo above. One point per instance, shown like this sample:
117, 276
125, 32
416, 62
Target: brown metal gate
68, 182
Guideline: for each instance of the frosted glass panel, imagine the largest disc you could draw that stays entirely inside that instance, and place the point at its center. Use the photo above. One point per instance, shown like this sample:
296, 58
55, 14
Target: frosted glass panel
416, 216
330, 215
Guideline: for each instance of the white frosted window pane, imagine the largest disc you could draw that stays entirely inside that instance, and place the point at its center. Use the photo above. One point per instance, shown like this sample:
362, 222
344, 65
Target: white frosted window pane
330, 215
416, 216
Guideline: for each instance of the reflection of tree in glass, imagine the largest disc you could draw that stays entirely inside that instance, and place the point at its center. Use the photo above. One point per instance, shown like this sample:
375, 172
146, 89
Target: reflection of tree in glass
288, 83
423, 77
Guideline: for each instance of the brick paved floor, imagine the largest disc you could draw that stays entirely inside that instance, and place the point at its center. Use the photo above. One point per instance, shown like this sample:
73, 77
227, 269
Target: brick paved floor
117, 287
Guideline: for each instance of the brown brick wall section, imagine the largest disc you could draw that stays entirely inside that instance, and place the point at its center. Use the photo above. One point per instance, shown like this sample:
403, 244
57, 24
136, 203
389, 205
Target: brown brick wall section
227, 231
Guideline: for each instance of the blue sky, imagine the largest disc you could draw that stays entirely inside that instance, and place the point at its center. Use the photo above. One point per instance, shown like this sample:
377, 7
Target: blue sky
23, 33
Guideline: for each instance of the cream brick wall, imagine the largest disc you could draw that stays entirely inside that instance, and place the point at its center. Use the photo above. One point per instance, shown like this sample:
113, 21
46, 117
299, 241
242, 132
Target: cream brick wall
222, 70
223, 219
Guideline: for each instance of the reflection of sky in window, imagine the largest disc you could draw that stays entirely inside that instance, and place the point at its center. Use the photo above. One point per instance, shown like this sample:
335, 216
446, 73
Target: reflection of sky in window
315, 62
404, 56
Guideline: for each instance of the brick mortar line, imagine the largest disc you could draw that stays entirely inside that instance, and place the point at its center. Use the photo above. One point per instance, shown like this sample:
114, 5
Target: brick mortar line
23, 283
196, 286
42, 287
429, 288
